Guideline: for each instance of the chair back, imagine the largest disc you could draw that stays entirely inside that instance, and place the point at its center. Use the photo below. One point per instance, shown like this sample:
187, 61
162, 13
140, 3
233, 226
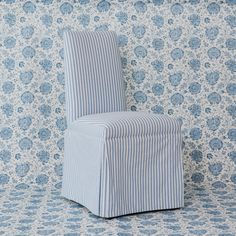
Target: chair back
93, 74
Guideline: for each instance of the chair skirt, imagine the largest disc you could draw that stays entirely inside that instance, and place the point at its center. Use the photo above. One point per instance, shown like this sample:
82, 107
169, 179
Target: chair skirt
124, 162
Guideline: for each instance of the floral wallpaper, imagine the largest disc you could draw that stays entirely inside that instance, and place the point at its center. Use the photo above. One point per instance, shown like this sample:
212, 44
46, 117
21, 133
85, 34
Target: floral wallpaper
178, 57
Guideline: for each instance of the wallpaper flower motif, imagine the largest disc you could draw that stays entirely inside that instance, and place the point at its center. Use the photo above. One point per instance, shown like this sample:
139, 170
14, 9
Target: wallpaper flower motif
178, 59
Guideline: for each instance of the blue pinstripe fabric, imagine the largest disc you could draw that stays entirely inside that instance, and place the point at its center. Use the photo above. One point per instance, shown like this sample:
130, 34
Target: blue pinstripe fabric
120, 124
93, 74
132, 162
115, 162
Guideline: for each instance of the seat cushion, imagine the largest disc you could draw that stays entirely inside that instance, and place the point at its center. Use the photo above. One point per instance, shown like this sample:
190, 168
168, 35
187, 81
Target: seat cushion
121, 124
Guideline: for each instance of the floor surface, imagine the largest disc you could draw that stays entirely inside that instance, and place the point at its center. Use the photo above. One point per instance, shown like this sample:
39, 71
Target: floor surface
31, 211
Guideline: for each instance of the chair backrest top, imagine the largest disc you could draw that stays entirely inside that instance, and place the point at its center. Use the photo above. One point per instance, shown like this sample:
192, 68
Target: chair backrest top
93, 74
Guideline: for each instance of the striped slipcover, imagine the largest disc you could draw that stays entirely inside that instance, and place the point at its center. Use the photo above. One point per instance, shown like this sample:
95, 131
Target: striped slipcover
116, 162
93, 74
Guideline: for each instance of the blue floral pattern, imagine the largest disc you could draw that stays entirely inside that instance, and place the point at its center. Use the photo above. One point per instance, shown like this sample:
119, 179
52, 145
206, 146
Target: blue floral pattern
178, 59
28, 210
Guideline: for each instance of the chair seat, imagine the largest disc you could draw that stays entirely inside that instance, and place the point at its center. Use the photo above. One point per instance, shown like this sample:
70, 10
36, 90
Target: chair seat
123, 162
122, 124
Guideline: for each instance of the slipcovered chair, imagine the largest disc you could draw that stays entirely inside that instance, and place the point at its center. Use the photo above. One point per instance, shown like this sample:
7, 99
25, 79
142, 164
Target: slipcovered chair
116, 162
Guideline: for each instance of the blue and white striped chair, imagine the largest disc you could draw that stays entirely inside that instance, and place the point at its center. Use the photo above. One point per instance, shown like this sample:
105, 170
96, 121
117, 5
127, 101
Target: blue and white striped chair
115, 162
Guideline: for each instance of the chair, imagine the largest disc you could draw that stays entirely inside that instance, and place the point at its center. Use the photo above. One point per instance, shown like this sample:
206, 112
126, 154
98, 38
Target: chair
116, 162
